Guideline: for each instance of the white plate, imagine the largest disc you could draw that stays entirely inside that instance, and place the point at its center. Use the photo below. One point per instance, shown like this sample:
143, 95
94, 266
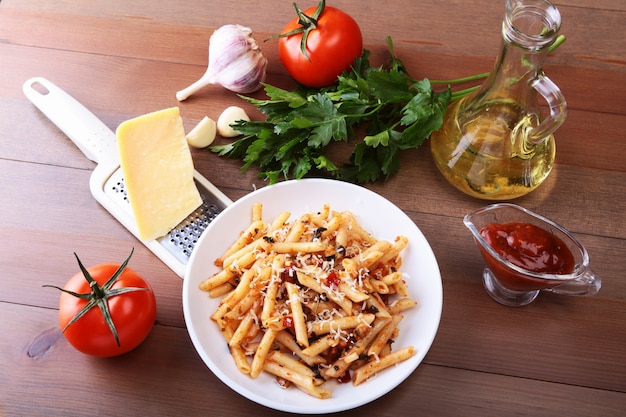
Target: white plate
377, 215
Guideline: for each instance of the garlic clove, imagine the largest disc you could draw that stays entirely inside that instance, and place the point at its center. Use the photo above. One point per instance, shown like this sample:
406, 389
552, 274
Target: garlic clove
235, 62
229, 116
203, 134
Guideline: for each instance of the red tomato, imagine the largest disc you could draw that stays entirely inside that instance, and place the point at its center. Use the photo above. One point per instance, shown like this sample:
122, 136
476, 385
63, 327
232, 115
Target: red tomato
332, 46
133, 313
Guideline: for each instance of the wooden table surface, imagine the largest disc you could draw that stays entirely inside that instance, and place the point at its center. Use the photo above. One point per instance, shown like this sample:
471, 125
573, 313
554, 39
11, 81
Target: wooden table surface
558, 356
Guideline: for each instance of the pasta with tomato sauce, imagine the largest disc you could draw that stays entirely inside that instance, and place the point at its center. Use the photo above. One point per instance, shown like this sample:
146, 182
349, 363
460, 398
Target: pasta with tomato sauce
312, 299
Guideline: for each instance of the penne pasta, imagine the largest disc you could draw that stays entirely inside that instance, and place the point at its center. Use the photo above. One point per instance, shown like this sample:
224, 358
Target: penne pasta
299, 322
220, 290
342, 323
287, 361
339, 367
297, 247
402, 304
352, 292
399, 244
280, 220
392, 278
234, 297
377, 305
320, 346
242, 330
310, 300
320, 218
248, 236
372, 254
303, 382
310, 282
246, 255
257, 212
287, 341
383, 336
357, 231
371, 368
296, 232
269, 300
261, 352
228, 273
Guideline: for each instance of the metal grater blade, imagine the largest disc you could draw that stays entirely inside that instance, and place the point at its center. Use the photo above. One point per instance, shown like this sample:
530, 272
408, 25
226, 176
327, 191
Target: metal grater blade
181, 240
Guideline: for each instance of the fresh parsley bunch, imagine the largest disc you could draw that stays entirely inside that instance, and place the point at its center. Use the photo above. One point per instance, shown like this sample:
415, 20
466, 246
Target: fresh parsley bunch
396, 112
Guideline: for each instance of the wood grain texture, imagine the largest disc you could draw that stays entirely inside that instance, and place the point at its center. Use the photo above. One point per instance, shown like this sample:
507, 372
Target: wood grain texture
557, 356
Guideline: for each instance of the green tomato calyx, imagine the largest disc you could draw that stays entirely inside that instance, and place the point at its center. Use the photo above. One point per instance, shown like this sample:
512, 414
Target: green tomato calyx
307, 24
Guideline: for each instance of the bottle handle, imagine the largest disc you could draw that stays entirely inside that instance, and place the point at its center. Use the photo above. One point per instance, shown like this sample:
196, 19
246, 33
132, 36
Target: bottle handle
558, 108
586, 284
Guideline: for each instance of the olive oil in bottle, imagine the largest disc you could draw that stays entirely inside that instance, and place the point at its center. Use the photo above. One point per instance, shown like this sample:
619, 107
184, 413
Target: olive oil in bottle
487, 153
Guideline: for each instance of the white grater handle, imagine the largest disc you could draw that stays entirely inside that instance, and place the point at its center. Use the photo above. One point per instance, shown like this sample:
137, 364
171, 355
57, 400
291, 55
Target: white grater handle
89, 133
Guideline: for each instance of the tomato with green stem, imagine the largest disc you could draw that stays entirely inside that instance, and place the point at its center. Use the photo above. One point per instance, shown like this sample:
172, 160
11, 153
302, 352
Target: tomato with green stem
106, 310
319, 44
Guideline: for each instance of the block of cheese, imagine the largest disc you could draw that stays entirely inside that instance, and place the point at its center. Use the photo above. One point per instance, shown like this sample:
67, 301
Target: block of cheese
158, 171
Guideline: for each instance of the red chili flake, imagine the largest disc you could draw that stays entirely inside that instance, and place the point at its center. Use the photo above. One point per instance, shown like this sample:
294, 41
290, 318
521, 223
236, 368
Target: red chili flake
288, 322
332, 280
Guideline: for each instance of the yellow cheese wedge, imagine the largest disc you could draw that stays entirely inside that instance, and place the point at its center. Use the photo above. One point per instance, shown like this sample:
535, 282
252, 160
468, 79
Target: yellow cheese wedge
158, 171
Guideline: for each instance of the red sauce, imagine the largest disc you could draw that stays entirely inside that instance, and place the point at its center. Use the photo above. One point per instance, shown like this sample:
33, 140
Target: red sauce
530, 247
345, 378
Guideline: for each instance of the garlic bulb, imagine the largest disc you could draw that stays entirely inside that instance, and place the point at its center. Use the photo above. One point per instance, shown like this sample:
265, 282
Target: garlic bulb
235, 62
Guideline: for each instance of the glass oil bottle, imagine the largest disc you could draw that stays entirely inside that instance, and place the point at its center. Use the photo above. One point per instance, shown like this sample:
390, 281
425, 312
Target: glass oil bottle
494, 143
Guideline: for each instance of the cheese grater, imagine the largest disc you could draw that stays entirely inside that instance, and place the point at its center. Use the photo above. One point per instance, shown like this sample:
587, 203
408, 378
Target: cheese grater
106, 183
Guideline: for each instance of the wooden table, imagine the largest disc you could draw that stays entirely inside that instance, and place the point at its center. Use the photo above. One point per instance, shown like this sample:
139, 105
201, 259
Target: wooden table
558, 356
